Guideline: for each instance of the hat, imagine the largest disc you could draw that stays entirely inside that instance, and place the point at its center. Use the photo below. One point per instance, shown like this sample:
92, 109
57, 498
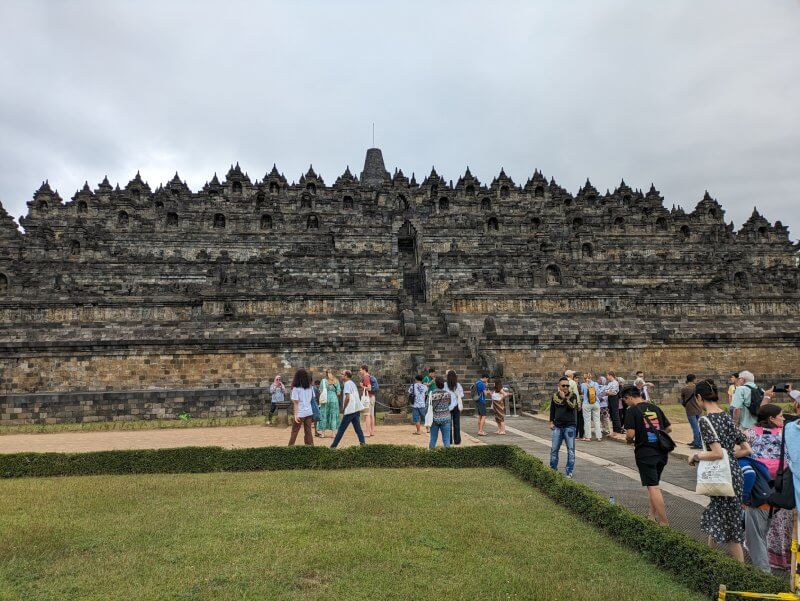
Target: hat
795, 394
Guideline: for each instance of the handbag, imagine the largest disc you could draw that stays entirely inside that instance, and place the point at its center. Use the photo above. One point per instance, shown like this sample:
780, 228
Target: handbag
323, 392
315, 414
365, 400
663, 440
460, 401
429, 413
714, 478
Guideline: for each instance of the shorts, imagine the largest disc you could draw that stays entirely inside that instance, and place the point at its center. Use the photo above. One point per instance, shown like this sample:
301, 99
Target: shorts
480, 408
650, 469
418, 414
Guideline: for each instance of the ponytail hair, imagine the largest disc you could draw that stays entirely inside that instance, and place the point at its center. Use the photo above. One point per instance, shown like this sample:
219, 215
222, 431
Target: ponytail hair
707, 391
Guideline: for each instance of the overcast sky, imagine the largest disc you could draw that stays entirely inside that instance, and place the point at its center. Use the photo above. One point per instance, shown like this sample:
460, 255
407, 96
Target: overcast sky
690, 95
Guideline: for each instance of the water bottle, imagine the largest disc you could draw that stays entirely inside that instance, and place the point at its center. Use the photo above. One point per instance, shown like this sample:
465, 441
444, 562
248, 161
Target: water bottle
612, 500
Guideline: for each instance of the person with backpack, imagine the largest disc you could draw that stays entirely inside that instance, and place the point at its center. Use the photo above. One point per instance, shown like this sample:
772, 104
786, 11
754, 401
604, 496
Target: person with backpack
746, 401
765, 531
647, 428
722, 519
591, 408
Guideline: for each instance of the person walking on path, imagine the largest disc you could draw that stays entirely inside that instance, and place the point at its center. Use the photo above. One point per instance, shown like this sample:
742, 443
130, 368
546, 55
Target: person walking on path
563, 423
642, 419
499, 405
591, 408
302, 393
481, 387
693, 410
722, 519
277, 393
352, 410
418, 391
367, 382
442, 403
329, 390
456, 391
612, 392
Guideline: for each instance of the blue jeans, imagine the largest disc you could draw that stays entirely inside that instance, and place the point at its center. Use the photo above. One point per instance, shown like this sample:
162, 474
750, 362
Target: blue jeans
559, 435
445, 430
694, 422
349, 418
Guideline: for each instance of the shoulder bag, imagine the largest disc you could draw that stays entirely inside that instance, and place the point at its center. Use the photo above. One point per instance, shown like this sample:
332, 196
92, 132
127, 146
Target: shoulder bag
429, 413
714, 478
665, 443
323, 392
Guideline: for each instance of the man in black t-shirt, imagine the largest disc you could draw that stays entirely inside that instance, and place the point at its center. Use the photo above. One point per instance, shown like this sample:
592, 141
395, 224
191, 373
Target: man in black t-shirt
642, 419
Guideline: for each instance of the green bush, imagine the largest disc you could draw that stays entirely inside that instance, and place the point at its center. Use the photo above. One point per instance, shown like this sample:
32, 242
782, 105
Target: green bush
692, 562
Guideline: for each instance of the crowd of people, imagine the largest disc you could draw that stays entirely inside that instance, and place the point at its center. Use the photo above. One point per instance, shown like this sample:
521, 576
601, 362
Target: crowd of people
336, 402
747, 449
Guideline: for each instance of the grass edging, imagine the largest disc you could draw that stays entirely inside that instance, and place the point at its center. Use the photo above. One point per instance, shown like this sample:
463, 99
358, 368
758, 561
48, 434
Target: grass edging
693, 564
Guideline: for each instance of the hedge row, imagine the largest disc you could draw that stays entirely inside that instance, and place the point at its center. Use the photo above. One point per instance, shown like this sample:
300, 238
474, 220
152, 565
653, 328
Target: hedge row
691, 562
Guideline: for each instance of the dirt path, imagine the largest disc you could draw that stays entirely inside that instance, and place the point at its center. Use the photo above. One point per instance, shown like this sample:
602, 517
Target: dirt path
228, 437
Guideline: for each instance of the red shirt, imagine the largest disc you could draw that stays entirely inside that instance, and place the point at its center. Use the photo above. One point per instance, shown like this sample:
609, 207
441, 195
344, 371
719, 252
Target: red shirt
365, 382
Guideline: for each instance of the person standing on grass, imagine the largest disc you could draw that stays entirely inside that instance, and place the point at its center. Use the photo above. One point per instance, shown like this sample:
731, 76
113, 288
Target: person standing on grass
442, 403
302, 393
612, 392
419, 407
352, 410
642, 419
330, 389
277, 393
366, 386
452, 386
722, 519
481, 386
591, 408
499, 405
693, 410
563, 423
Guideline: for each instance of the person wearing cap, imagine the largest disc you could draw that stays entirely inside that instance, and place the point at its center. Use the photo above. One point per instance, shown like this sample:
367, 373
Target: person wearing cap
641, 420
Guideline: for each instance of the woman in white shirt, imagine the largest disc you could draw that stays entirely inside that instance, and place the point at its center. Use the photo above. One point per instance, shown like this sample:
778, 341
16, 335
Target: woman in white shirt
352, 409
302, 393
456, 393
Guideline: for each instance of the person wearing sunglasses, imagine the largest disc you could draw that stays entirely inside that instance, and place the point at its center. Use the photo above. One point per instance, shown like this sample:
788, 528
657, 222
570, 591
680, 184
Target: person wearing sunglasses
563, 423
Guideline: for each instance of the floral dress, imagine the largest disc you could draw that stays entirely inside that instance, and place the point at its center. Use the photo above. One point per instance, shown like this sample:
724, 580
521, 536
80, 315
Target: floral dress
329, 411
722, 520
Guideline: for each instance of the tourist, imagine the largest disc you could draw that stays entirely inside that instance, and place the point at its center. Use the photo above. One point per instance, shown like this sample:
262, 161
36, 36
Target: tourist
277, 393
591, 408
742, 399
499, 396
612, 392
563, 423
452, 386
642, 386
481, 386
330, 389
417, 393
732, 380
722, 519
442, 403
602, 391
369, 412
430, 379
302, 395
693, 410
623, 408
641, 420
315, 407
575, 389
352, 409
768, 541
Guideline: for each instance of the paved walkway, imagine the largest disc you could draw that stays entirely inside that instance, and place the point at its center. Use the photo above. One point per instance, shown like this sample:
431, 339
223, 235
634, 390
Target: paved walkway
227, 437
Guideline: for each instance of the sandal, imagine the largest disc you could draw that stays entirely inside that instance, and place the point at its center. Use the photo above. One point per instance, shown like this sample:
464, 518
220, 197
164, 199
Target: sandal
481, 433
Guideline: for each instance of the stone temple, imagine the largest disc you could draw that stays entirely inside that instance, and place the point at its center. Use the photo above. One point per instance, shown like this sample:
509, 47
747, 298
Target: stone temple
140, 303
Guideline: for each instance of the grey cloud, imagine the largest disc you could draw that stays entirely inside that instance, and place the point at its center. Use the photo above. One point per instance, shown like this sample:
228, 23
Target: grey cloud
689, 95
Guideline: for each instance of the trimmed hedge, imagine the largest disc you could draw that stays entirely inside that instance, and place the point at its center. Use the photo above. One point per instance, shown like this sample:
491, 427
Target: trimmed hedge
691, 562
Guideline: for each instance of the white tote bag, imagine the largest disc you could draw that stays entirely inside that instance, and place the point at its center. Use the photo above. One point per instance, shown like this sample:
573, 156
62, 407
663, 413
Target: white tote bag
429, 413
460, 396
365, 400
714, 478
323, 393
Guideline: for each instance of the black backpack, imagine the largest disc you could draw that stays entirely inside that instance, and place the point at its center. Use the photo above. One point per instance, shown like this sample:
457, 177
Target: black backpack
756, 396
761, 491
783, 493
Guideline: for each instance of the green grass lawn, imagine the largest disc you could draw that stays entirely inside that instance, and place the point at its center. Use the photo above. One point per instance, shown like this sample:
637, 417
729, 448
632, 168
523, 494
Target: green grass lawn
351, 534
